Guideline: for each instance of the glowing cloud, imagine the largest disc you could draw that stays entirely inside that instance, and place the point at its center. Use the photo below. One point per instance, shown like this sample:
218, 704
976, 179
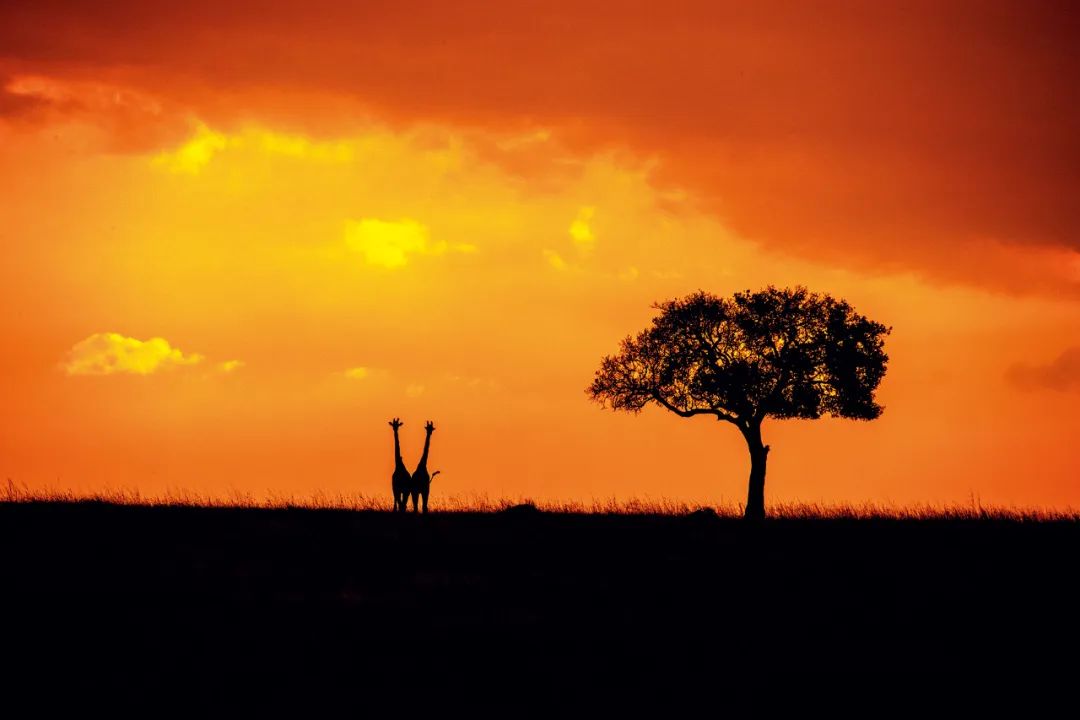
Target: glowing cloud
554, 259
390, 244
298, 146
192, 156
231, 366
113, 353
356, 373
581, 232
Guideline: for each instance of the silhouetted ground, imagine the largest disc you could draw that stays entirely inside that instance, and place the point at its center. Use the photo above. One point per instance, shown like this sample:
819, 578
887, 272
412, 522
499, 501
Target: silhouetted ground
122, 597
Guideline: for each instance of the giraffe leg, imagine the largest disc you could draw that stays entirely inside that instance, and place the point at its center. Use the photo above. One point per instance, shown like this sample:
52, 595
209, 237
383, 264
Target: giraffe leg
424, 494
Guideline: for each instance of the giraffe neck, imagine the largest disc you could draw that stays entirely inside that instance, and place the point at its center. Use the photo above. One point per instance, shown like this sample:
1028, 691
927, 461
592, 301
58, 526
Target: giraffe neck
423, 458
397, 449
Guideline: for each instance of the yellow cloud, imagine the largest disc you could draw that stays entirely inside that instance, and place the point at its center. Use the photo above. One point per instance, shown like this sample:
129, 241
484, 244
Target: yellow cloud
580, 230
113, 353
192, 156
231, 365
357, 373
386, 243
390, 243
554, 259
298, 146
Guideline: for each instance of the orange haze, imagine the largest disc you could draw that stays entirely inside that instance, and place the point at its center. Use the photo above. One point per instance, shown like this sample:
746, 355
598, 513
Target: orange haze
235, 240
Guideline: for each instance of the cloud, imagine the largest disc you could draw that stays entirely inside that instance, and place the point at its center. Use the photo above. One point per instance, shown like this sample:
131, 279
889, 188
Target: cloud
1062, 373
392, 243
126, 119
855, 135
464, 248
112, 353
357, 373
584, 241
554, 259
192, 156
230, 366
14, 103
299, 146
581, 232
195, 154
473, 382
385, 243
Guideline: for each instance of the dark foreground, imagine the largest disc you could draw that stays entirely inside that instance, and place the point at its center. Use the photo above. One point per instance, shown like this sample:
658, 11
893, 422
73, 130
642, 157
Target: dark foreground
202, 600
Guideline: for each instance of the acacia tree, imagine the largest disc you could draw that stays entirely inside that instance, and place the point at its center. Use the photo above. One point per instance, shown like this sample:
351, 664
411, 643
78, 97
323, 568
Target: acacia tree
780, 353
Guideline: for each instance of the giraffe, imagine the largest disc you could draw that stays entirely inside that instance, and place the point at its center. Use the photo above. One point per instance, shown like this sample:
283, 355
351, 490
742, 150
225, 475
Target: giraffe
401, 480
421, 481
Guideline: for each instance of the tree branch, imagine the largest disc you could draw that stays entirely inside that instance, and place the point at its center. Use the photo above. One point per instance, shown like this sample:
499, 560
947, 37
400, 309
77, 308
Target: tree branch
720, 414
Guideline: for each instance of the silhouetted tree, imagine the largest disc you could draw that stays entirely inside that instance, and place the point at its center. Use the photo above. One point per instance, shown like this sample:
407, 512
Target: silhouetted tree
781, 353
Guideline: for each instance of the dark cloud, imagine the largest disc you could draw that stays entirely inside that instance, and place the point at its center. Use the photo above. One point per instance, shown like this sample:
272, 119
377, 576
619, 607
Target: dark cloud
14, 106
1062, 373
128, 121
884, 136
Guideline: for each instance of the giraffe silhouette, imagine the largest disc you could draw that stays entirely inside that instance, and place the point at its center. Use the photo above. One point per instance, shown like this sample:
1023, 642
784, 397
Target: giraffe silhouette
421, 481
401, 480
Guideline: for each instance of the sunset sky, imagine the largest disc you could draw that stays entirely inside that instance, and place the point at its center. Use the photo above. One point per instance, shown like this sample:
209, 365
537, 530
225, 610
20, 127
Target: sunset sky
237, 238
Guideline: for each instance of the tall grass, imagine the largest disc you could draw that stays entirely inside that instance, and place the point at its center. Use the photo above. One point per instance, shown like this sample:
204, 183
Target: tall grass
13, 492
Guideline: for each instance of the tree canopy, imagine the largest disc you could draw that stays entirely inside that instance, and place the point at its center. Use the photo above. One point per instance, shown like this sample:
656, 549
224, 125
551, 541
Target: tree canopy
780, 353
774, 353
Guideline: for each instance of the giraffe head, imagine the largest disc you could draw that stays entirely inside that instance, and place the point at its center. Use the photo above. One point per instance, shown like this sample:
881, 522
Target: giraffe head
396, 423
430, 427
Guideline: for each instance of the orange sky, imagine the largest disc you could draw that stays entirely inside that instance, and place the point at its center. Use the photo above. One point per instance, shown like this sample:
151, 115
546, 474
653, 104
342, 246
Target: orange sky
234, 242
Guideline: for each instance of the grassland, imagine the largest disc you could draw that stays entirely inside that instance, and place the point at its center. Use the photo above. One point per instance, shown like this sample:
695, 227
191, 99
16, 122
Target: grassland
12, 492
171, 593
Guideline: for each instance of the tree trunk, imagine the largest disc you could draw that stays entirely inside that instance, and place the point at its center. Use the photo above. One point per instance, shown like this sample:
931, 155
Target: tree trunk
759, 455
